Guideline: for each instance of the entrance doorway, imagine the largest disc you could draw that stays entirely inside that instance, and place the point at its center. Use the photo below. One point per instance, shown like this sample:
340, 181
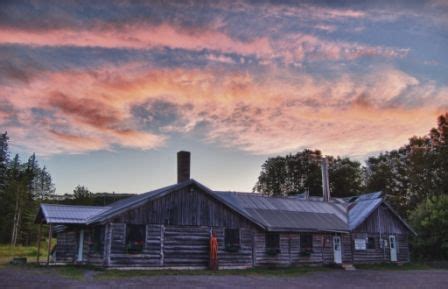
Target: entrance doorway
337, 250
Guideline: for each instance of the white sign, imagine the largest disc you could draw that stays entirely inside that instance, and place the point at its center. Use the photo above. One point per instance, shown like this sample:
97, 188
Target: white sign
360, 244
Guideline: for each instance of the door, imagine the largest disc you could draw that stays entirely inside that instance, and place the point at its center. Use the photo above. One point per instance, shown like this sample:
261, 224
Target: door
337, 251
393, 248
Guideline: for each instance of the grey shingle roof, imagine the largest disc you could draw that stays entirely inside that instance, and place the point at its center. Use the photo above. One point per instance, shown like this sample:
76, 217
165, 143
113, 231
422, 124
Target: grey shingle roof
269, 213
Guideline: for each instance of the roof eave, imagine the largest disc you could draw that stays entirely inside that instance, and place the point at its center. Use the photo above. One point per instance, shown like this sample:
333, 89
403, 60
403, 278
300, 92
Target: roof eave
306, 230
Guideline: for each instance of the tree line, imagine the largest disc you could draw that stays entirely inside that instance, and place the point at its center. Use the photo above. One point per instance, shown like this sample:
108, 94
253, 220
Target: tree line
23, 185
414, 179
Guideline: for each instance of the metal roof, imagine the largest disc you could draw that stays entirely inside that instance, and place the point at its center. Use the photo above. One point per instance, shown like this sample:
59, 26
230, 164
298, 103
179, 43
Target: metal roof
358, 211
289, 214
67, 214
269, 213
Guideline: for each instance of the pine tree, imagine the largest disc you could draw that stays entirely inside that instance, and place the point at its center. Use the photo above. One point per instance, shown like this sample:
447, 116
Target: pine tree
43, 185
17, 187
5, 200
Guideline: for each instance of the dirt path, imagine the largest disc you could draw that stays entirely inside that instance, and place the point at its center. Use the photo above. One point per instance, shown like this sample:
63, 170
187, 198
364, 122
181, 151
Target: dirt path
19, 278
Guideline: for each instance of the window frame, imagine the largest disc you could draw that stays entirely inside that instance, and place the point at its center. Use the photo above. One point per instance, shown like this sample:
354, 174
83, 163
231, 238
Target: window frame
370, 243
97, 239
306, 250
232, 239
137, 246
272, 243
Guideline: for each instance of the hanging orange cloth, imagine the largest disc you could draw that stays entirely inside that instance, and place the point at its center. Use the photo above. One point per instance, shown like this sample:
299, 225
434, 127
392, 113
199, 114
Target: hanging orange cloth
213, 252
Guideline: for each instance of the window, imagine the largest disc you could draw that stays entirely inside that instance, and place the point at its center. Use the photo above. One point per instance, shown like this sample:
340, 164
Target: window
171, 215
232, 240
135, 238
306, 243
97, 241
371, 243
272, 243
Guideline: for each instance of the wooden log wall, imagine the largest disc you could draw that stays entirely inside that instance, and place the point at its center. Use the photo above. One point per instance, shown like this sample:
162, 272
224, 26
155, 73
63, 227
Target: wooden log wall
66, 247
179, 246
347, 249
290, 250
240, 259
384, 221
381, 255
186, 246
403, 253
149, 257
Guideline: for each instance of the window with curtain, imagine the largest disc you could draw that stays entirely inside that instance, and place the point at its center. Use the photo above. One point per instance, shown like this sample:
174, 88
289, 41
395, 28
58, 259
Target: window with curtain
306, 243
135, 238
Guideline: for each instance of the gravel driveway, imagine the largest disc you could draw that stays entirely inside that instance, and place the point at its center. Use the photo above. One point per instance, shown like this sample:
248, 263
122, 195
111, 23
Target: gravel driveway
18, 278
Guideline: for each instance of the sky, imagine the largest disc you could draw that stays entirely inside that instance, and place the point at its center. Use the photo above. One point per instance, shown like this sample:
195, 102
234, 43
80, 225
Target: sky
106, 92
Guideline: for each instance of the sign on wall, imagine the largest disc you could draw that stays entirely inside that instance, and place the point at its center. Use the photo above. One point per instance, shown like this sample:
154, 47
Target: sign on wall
360, 244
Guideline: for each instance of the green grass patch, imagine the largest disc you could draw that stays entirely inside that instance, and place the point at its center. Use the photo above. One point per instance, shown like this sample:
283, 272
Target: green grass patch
8, 252
72, 272
391, 266
279, 272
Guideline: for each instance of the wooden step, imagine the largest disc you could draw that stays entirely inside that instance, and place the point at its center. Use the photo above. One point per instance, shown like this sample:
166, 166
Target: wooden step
348, 267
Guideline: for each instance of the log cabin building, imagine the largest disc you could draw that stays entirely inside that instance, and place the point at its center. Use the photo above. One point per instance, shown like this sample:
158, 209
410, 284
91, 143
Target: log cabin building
171, 227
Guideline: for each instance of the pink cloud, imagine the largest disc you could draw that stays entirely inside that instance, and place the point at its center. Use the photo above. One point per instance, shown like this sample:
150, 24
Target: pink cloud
349, 114
293, 47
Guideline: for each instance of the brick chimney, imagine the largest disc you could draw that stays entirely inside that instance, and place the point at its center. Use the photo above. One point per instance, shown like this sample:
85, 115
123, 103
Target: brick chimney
325, 180
183, 166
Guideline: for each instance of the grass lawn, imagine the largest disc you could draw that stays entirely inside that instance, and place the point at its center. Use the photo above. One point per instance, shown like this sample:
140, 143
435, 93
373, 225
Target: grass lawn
7, 252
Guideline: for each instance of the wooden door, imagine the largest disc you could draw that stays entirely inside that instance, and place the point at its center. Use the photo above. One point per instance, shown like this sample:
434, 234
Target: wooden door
393, 248
337, 249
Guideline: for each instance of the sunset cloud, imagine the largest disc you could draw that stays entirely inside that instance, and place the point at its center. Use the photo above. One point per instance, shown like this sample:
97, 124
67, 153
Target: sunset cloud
136, 106
293, 47
260, 78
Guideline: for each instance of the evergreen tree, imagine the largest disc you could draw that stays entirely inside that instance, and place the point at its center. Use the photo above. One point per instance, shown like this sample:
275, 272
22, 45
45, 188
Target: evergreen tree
4, 159
17, 186
19, 191
6, 199
43, 185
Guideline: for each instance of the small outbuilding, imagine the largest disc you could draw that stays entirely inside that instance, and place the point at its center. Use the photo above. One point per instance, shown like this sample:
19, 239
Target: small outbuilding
171, 227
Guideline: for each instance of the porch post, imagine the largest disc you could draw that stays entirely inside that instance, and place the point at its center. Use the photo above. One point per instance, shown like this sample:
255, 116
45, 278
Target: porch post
38, 242
50, 233
81, 245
